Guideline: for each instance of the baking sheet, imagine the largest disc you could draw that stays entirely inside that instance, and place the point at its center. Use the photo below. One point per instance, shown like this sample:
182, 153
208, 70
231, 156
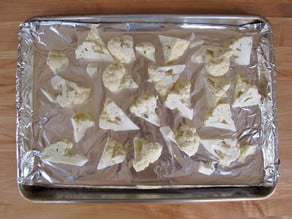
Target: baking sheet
40, 123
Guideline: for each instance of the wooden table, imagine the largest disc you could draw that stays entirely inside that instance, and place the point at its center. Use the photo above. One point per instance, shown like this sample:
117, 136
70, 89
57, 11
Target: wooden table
12, 205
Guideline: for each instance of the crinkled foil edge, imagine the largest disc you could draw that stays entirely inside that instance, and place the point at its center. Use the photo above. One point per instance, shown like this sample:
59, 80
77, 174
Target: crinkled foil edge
267, 68
24, 103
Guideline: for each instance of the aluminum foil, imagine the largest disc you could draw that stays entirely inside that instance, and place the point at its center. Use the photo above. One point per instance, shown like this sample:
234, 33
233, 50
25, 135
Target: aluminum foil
41, 123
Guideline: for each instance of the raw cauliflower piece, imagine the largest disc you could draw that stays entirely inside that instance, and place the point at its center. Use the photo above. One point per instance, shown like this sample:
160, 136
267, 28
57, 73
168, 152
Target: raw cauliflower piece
92, 69
206, 168
242, 50
113, 154
185, 137
122, 48
144, 107
217, 87
164, 77
93, 48
173, 47
217, 62
60, 152
57, 61
81, 122
179, 98
221, 118
245, 94
113, 117
146, 49
225, 150
145, 153
69, 93
116, 78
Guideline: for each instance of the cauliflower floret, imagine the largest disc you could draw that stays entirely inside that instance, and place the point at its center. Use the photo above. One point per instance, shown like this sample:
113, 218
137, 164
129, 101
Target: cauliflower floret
144, 107
113, 117
57, 61
179, 98
217, 62
173, 47
145, 152
186, 138
115, 78
242, 50
69, 93
113, 154
221, 118
217, 87
59, 152
81, 122
225, 150
164, 77
146, 49
93, 48
122, 48
206, 168
92, 69
244, 94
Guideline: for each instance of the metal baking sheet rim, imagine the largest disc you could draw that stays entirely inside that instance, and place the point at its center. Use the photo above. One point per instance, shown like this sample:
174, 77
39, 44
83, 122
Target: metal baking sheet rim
46, 194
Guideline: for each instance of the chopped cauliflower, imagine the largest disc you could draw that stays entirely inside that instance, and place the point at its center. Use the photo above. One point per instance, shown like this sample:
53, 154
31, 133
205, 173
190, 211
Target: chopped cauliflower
245, 94
164, 77
217, 62
179, 98
92, 69
113, 154
206, 168
225, 150
217, 87
144, 107
116, 78
145, 152
185, 137
113, 117
187, 140
69, 93
93, 48
60, 152
173, 47
57, 61
146, 49
122, 48
221, 118
81, 122
242, 50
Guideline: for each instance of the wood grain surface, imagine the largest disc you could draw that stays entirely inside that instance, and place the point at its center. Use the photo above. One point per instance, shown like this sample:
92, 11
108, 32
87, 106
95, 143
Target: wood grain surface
12, 205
